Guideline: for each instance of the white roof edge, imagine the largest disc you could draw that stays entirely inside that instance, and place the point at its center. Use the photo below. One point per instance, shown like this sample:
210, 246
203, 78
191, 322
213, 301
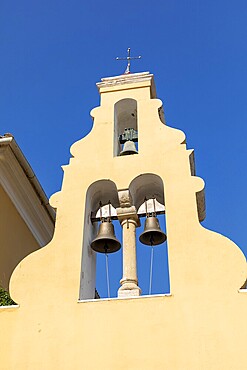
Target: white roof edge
127, 76
27, 169
124, 79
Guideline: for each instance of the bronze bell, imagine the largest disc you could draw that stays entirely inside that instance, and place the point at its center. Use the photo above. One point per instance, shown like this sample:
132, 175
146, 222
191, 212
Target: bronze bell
152, 234
129, 148
106, 241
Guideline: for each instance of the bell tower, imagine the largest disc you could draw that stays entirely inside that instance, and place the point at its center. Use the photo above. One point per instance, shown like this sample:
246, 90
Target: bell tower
137, 146
131, 165
121, 99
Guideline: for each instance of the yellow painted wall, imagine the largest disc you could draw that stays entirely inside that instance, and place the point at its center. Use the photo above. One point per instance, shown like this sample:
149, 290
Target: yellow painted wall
15, 238
201, 325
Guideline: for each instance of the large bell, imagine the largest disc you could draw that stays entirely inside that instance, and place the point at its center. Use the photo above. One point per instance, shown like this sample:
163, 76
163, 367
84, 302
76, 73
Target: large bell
106, 241
129, 148
152, 234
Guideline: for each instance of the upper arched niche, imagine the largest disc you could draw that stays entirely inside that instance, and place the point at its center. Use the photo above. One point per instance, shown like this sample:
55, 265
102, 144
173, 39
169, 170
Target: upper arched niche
147, 186
125, 116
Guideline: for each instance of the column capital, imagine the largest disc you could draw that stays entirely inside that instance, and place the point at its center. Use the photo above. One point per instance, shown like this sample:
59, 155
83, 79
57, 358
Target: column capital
128, 214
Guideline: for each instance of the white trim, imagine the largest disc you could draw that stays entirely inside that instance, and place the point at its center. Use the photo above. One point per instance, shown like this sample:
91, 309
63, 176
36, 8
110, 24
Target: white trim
242, 291
124, 298
23, 195
125, 79
9, 307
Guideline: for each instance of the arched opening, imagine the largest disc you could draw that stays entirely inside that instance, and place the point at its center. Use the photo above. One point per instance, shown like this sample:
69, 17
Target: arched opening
147, 186
93, 263
125, 126
102, 199
150, 187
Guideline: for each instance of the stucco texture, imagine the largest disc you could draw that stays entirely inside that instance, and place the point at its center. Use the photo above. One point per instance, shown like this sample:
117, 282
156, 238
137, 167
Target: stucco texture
200, 325
16, 239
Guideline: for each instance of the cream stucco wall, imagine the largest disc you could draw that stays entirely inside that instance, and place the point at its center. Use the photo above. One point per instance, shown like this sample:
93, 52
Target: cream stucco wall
200, 325
16, 239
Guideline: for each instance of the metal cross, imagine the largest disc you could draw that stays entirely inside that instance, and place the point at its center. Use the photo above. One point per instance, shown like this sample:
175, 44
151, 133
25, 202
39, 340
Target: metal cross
128, 58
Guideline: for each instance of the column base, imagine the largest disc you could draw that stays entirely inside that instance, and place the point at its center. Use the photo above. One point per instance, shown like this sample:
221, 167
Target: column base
129, 289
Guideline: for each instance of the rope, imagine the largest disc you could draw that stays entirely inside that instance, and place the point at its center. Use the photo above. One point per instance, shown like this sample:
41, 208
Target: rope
107, 275
151, 268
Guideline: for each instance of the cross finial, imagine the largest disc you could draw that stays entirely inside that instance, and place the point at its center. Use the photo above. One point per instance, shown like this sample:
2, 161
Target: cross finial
128, 58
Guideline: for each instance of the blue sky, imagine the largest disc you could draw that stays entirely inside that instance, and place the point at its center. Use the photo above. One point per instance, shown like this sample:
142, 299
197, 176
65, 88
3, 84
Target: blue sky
53, 52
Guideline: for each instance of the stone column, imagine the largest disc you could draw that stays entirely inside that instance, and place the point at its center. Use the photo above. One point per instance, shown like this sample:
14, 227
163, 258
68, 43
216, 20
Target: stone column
129, 221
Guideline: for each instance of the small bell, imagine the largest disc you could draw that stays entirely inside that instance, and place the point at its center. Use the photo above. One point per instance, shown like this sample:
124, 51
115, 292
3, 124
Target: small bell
152, 234
106, 241
129, 148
